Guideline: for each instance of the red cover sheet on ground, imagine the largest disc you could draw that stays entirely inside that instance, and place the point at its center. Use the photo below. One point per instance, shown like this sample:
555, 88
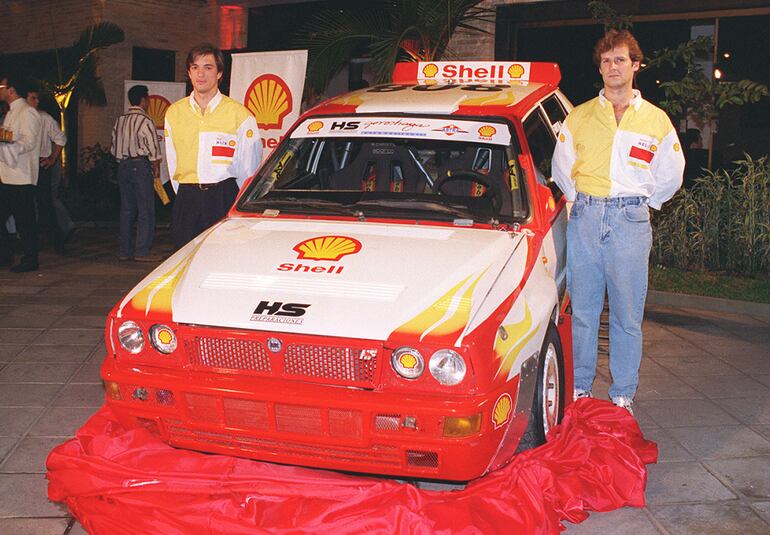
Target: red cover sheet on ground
117, 481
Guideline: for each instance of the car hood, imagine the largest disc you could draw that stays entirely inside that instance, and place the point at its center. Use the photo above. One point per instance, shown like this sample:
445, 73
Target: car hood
356, 280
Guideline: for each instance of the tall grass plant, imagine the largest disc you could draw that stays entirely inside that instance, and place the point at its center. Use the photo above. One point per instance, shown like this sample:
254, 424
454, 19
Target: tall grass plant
721, 223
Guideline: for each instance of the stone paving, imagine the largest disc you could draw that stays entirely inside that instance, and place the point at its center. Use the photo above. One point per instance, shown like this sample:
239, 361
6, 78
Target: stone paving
704, 397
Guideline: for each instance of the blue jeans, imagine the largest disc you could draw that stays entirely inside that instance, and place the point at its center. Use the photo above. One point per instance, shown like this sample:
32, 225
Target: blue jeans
608, 248
137, 202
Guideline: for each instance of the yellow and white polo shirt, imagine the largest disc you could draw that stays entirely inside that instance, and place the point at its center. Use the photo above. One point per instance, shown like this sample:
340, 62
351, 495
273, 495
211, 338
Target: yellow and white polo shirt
640, 156
206, 148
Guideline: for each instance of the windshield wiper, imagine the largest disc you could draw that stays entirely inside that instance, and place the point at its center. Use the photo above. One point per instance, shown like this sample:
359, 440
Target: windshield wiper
294, 204
430, 207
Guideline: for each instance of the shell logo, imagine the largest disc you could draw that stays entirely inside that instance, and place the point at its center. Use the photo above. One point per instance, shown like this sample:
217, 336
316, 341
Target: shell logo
327, 248
515, 71
269, 100
561, 138
156, 109
315, 126
487, 131
677, 148
501, 413
165, 336
654, 148
430, 70
408, 361
231, 143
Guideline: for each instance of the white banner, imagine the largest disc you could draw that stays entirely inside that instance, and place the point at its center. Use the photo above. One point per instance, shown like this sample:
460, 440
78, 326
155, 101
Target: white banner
270, 85
162, 95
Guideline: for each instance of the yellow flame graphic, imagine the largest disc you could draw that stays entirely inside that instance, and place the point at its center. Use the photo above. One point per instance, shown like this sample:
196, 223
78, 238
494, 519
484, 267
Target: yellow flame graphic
427, 322
501, 98
518, 335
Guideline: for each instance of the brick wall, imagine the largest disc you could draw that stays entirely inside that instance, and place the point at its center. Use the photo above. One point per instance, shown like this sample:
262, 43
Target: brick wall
176, 25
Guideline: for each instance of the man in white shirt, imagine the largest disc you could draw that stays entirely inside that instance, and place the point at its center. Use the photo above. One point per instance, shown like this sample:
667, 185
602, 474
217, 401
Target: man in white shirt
53, 218
19, 161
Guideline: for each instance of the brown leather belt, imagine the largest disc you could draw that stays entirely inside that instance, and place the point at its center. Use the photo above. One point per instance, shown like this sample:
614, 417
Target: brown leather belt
204, 187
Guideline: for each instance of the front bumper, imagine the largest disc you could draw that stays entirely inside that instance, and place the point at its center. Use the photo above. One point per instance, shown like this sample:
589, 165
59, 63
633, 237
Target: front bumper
315, 425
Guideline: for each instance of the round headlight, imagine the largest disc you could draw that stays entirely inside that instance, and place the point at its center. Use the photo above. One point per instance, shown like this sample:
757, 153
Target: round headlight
162, 338
407, 362
131, 337
447, 367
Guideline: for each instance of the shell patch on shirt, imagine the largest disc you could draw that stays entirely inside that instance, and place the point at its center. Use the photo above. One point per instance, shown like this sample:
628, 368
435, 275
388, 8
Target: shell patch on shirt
641, 154
222, 148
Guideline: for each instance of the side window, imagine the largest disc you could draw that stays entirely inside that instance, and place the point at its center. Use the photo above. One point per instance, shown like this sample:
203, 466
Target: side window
541, 142
555, 111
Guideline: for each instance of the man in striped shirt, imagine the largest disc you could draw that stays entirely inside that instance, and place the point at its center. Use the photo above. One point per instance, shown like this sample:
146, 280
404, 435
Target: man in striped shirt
135, 146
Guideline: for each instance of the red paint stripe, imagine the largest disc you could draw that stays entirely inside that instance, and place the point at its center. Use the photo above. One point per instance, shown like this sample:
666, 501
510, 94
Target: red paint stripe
641, 154
218, 150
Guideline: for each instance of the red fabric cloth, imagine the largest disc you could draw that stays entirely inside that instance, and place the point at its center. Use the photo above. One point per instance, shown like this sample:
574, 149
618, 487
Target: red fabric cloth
117, 481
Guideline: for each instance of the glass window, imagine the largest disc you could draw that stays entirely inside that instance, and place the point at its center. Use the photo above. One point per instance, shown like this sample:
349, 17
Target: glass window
554, 110
541, 144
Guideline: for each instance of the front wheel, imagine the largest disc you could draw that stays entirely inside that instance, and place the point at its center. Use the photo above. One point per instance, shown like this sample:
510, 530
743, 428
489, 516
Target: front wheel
548, 404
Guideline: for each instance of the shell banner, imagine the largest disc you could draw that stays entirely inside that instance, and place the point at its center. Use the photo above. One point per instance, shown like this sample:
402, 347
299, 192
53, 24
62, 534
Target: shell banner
270, 85
162, 95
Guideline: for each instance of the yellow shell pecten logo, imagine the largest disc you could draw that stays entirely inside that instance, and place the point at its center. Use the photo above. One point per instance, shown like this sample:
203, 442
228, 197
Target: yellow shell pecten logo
501, 413
269, 100
515, 71
408, 361
327, 248
487, 131
430, 70
156, 109
315, 126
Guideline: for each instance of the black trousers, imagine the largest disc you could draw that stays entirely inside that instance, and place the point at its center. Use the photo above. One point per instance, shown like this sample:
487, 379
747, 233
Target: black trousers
19, 201
46, 215
196, 209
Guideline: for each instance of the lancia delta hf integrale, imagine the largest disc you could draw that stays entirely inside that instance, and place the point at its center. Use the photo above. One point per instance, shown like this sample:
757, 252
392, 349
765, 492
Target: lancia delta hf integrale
387, 295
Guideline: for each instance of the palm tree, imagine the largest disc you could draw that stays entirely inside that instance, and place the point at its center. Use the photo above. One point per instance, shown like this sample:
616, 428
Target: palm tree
76, 68
385, 31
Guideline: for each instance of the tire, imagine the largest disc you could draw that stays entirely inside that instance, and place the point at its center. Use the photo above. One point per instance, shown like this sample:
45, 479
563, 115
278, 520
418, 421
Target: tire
548, 404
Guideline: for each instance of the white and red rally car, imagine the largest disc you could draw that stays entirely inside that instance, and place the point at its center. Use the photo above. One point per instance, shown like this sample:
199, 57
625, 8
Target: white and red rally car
387, 295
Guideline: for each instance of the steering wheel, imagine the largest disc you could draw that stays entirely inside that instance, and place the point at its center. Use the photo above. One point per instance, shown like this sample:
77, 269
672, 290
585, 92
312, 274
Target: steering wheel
467, 175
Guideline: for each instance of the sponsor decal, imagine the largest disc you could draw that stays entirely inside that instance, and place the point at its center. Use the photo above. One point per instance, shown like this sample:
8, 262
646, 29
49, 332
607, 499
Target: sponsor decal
430, 70
677, 147
280, 312
487, 131
249, 133
516, 71
219, 150
156, 109
327, 248
450, 130
268, 98
501, 412
367, 354
344, 125
641, 154
304, 268
561, 138
654, 148
231, 143
315, 126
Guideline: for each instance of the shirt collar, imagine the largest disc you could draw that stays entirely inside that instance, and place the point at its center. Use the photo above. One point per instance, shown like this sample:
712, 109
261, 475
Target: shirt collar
19, 102
213, 103
636, 100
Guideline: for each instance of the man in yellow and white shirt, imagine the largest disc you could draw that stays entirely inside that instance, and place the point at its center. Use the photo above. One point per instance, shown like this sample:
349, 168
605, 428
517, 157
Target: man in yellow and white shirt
616, 156
212, 147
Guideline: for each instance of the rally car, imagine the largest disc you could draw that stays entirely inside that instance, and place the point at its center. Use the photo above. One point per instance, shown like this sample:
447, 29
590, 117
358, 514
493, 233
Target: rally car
386, 296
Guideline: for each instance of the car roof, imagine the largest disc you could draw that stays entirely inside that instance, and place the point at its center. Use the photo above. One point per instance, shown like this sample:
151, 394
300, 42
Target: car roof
413, 92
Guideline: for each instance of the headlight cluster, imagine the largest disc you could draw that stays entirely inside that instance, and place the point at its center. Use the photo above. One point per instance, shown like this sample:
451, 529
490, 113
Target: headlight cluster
446, 365
131, 338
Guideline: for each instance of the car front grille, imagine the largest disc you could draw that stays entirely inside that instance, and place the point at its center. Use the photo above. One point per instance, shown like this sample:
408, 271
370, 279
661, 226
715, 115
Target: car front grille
347, 364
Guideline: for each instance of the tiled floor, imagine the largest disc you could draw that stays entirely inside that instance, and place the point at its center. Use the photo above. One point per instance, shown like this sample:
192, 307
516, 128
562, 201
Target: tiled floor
704, 398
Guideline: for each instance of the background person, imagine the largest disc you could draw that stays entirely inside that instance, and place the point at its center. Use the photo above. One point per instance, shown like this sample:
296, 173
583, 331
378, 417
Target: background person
617, 155
19, 163
135, 146
212, 147
52, 141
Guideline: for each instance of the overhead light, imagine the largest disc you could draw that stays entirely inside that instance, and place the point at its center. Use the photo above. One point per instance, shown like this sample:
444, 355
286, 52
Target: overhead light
718, 73
726, 55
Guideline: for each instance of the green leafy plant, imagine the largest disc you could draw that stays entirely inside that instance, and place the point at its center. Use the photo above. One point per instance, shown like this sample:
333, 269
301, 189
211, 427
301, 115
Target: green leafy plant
386, 31
722, 223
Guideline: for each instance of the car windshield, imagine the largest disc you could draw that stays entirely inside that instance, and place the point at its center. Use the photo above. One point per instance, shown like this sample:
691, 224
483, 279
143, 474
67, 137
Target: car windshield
407, 168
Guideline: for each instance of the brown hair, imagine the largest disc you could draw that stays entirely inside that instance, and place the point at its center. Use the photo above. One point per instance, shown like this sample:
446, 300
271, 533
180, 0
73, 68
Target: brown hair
204, 49
614, 38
